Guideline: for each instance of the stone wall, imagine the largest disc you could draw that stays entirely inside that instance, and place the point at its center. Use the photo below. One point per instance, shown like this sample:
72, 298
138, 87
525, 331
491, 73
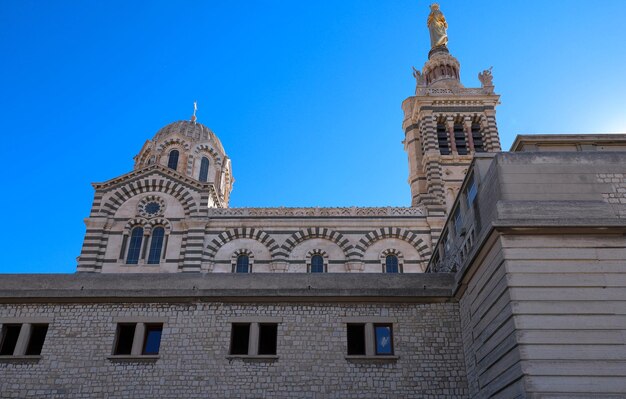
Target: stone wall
193, 360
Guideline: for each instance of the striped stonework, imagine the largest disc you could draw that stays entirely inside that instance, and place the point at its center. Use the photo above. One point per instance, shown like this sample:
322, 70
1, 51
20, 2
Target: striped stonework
94, 246
242, 232
149, 184
317, 232
399, 233
193, 251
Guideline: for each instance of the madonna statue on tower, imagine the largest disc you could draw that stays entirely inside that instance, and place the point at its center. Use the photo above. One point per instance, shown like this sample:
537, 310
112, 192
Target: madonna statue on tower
437, 26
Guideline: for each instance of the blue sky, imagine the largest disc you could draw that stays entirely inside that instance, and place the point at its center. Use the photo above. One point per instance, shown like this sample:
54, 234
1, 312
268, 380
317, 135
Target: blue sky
305, 96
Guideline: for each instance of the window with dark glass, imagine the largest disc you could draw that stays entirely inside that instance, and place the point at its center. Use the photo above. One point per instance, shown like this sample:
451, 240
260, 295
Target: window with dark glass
37, 337
459, 139
477, 137
152, 339
152, 208
239, 339
471, 191
243, 264
317, 264
204, 169
384, 339
172, 161
356, 339
138, 339
10, 334
134, 248
391, 264
125, 337
34, 336
442, 139
253, 339
458, 220
370, 339
267, 338
156, 245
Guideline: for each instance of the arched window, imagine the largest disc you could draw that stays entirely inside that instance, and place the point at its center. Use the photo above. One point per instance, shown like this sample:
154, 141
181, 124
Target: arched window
134, 249
156, 245
317, 264
243, 264
391, 264
204, 169
172, 162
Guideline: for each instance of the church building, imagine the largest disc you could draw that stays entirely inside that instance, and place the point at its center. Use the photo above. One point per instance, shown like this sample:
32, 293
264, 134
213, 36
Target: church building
506, 277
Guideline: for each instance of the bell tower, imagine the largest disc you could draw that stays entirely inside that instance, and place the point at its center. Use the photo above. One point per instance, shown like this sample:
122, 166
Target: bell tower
445, 123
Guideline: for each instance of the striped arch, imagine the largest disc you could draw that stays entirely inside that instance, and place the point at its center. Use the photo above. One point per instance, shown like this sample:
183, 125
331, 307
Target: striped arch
134, 222
241, 232
145, 185
205, 148
393, 232
311, 254
200, 150
174, 141
317, 232
237, 254
161, 222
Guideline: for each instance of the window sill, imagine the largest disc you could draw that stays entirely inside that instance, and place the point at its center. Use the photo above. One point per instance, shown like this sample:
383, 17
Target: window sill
372, 359
134, 358
253, 358
19, 358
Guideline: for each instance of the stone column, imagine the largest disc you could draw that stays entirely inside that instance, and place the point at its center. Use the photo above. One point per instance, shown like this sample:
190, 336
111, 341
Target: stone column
194, 246
429, 132
140, 332
467, 126
450, 128
22, 340
94, 245
490, 129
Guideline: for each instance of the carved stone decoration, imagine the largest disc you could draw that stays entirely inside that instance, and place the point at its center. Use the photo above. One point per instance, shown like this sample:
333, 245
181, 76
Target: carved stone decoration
419, 77
151, 206
317, 212
486, 78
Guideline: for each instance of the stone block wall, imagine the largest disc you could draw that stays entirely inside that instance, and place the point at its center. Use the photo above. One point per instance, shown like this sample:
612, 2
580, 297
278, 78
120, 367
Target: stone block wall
193, 363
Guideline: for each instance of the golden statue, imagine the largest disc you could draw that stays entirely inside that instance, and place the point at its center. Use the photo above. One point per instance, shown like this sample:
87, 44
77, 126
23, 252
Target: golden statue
437, 26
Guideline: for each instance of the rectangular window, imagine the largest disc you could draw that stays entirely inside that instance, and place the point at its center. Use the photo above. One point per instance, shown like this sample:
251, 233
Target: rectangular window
267, 339
458, 220
138, 339
459, 139
356, 339
442, 139
253, 339
37, 336
471, 192
370, 339
22, 339
125, 336
10, 334
478, 138
152, 339
384, 339
240, 339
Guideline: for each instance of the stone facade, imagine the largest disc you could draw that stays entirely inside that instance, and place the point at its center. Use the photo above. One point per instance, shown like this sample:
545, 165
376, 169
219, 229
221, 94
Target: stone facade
539, 260
193, 358
311, 359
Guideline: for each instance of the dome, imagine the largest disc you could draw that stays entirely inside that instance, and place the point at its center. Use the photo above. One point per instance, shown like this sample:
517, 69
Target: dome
193, 150
195, 132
